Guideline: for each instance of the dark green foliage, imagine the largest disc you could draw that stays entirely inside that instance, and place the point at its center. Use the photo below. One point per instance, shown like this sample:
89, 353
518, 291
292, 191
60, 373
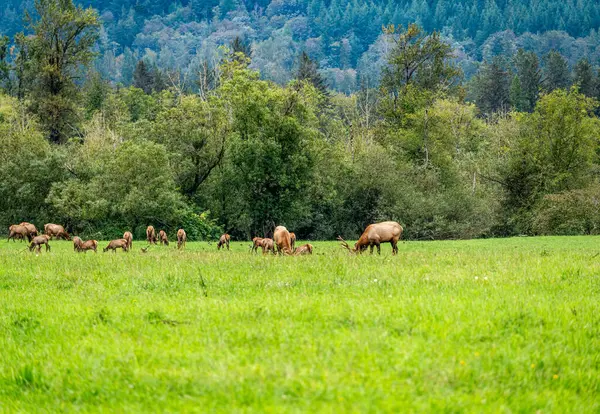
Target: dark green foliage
526, 84
490, 87
584, 78
556, 72
308, 71
142, 77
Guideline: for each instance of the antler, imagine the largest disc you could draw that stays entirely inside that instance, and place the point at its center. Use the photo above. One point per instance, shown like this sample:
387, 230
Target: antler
344, 243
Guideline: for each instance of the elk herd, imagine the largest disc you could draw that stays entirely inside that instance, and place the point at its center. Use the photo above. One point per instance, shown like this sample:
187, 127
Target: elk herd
283, 241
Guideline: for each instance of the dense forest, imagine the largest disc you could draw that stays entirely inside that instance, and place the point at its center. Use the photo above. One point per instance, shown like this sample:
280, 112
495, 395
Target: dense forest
185, 115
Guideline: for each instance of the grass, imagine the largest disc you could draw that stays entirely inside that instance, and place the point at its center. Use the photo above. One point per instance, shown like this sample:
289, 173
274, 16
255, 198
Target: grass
455, 326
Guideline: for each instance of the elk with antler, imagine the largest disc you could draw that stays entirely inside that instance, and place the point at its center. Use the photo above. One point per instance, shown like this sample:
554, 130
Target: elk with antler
374, 235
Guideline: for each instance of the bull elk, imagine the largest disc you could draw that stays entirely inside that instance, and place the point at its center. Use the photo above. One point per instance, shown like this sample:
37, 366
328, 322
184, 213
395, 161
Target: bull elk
268, 245
293, 240
304, 249
56, 230
281, 237
17, 231
77, 242
129, 237
151, 235
163, 238
36, 243
223, 241
181, 238
88, 245
374, 235
256, 243
116, 244
30, 228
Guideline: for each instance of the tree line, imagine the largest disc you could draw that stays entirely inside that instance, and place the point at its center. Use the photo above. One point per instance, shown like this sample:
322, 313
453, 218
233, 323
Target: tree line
243, 154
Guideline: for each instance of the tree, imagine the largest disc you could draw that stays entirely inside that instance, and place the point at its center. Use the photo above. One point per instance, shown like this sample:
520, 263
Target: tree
585, 79
142, 77
4, 65
529, 80
63, 41
556, 72
308, 70
490, 87
239, 45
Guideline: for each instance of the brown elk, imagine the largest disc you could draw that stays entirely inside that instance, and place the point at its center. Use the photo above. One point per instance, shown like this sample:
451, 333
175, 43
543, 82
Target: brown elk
281, 237
304, 249
129, 237
374, 235
56, 230
36, 243
268, 245
30, 228
181, 238
151, 235
77, 242
89, 245
16, 231
256, 243
223, 241
293, 240
116, 244
163, 238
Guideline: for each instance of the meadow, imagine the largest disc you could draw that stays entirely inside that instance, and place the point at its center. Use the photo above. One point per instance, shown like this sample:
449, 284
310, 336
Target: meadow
505, 325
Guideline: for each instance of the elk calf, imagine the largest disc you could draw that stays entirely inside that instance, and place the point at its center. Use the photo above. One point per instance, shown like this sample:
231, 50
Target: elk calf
181, 238
37, 242
163, 238
89, 245
304, 249
268, 246
293, 240
256, 243
116, 244
223, 241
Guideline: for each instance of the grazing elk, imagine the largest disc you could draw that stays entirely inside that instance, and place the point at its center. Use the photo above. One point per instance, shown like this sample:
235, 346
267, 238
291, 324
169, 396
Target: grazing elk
256, 243
30, 228
304, 249
77, 242
16, 231
163, 238
36, 243
116, 244
181, 238
151, 235
56, 230
374, 235
281, 237
223, 241
268, 245
89, 245
129, 237
293, 240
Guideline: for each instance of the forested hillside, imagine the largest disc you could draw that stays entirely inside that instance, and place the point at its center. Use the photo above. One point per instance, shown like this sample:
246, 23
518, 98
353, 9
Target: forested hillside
105, 127
345, 38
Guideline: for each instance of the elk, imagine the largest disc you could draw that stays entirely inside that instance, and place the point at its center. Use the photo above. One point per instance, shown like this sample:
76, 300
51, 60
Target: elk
36, 243
116, 244
267, 246
56, 230
293, 240
304, 249
281, 237
374, 235
16, 231
223, 241
77, 242
89, 245
256, 243
181, 238
30, 228
151, 235
129, 237
163, 238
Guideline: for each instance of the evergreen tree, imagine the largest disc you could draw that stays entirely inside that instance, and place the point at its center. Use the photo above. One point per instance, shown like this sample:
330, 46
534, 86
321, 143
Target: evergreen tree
585, 79
491, 86
556, 72
143, 78
239, 45
518, 98
530, 80
308, 71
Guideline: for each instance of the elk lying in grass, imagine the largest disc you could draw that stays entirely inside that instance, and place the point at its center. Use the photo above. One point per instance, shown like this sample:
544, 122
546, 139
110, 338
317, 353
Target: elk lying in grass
89, 245
30, 228
224, 241
151, 235
304, 249
268, 245
17, 231
256, 243
56, 230
293, 240
129, 237
77, 242
281, 237
374, 235
116, 244
36, 243
181, 238
163, 238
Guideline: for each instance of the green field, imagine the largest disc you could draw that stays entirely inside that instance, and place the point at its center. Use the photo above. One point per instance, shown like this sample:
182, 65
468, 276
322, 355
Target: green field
487, 325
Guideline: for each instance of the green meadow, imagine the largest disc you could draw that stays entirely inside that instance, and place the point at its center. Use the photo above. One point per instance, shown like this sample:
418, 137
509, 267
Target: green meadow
504, 325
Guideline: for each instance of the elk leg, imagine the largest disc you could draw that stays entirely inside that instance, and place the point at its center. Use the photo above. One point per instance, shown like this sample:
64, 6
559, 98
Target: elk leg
371, 248
378, 248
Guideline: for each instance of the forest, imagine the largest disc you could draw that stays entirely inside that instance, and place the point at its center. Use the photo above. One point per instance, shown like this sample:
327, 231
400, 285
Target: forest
196, 115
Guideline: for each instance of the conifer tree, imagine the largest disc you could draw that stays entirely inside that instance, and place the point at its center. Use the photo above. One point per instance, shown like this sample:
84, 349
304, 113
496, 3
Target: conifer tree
556, 72
308, 71
142, 77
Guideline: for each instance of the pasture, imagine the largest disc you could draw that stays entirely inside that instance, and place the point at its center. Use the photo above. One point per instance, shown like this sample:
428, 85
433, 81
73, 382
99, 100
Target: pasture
484, 325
